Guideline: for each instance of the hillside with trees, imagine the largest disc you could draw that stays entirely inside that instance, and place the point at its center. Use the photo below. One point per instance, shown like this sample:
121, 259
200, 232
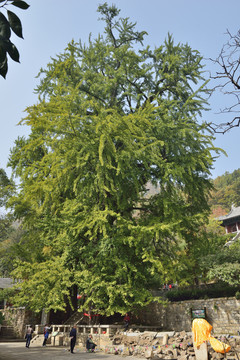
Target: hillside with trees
226, 192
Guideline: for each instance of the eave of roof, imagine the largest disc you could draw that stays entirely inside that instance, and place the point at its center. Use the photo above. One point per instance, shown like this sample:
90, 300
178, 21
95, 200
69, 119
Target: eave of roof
234, 213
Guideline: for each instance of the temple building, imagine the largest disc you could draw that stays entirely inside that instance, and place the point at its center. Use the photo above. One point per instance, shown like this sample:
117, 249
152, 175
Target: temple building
231, 222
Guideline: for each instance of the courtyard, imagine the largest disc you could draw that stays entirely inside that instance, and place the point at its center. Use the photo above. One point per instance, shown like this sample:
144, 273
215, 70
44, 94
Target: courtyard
17, 350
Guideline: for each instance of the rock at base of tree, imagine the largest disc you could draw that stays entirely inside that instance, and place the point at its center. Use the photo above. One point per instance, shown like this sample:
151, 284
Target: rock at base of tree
148, 354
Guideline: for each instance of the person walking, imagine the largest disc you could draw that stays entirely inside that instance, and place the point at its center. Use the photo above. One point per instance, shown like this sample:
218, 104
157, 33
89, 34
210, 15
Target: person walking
28, 336
73, 337
46, 331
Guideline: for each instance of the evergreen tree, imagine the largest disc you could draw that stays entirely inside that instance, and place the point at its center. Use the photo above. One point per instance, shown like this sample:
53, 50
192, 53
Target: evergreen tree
113, 116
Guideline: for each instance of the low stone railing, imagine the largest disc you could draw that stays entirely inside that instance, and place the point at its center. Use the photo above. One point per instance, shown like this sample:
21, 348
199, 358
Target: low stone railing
92, 329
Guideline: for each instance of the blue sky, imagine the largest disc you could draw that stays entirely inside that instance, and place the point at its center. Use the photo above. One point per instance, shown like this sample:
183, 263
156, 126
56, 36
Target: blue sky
48, 25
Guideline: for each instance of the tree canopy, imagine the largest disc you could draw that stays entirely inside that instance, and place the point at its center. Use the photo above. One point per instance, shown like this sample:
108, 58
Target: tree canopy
113, 117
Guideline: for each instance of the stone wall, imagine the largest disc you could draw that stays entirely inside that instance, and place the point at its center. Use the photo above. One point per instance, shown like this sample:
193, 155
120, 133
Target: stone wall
19, 318
222, 313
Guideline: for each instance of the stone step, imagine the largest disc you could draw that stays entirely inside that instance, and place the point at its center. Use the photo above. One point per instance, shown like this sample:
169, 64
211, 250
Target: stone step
2, 339
38, 340
7, 334
7, 331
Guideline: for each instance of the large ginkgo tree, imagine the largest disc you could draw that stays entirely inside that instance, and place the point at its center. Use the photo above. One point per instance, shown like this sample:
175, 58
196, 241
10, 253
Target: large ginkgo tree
115, 118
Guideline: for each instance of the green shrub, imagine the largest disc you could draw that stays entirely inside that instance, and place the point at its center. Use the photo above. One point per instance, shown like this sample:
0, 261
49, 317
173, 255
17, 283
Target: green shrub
237, 295
214, 291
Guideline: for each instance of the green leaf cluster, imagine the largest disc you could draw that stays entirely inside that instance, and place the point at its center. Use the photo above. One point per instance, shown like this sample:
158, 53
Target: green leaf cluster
204, 241
111, 122
7, 187
8, 24
13, 245
212, 291
224, 265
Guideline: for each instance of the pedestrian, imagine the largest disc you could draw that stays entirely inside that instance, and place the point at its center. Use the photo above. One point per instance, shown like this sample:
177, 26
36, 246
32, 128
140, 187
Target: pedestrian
28, 335
73, 337
126, 320
90, 346
46, 331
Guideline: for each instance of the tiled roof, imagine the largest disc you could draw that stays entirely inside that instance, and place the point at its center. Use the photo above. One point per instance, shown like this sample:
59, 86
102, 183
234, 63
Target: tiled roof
235, 212
6, 283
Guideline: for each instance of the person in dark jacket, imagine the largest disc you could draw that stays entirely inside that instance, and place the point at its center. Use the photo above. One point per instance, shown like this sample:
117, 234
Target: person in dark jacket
90, 346
73, 337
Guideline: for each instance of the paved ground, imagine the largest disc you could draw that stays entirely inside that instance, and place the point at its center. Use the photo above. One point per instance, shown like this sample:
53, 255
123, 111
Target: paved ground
17, 350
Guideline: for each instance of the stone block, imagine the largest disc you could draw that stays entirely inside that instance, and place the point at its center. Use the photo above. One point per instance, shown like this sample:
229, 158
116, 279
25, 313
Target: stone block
59, 340
201, 352
132, 339
175, 353
184, 345
219, 356
183, 357
125, 351
191, 357
105, 341
148, 354
165, 339
191, 351
158, 350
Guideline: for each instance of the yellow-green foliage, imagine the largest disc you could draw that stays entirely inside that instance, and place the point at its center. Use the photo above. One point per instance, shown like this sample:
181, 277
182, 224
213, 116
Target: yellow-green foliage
110, 120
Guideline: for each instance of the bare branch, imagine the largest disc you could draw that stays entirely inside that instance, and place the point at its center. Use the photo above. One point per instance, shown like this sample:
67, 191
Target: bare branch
224, 127
229, 74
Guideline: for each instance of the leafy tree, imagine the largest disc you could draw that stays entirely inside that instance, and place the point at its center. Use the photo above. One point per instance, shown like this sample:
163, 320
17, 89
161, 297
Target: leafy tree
7, 187
8, 24
112, 118
224, 265
190, 267
10, 231
11, 244
226, 191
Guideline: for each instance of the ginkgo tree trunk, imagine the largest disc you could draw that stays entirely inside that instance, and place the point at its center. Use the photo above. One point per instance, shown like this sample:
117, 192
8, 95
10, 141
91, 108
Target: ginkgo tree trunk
113, 117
